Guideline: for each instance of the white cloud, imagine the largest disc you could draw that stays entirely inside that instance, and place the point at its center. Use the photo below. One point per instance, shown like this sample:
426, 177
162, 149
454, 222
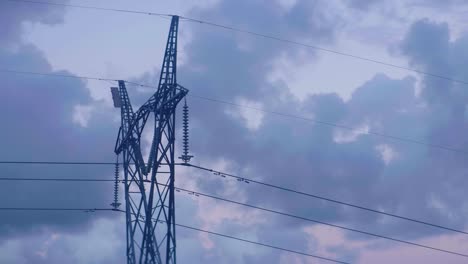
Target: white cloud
387, 152
346, 136
252, 118
82, 114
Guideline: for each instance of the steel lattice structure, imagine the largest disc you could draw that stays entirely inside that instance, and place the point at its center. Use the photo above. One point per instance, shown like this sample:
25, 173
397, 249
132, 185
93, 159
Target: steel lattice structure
150, 208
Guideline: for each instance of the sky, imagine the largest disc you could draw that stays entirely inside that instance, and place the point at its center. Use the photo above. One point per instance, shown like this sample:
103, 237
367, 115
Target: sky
68, 119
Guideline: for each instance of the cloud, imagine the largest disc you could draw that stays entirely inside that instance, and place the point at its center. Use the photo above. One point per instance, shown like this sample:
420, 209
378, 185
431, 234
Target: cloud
362, 4
40, 126
101, 243
38, 114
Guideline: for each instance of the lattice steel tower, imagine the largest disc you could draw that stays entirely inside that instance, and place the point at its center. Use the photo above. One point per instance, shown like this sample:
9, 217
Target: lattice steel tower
149, 187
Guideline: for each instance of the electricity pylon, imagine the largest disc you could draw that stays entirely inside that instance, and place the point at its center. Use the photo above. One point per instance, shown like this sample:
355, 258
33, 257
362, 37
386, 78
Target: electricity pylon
149, 187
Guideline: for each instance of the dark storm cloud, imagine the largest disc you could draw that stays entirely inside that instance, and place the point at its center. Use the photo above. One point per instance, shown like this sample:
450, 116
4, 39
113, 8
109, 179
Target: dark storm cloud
429, 47
442, 174
38, 117
37, 113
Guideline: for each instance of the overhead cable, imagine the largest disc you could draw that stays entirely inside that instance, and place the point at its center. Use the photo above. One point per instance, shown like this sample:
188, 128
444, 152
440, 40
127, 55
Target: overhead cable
282, 188
178, 189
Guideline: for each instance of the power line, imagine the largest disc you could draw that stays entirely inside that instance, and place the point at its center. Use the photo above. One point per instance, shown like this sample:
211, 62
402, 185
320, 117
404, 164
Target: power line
56, 179
94, 8
253, 242
56, 162
319, 122
17, 162
222, 174
322, 222
180, 225
229, 201
56, 74
253, 33
53, 209
262, 244
248, 241
238, 178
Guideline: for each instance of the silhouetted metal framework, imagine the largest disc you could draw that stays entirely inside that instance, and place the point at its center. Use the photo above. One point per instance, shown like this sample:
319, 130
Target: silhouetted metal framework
150, 216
